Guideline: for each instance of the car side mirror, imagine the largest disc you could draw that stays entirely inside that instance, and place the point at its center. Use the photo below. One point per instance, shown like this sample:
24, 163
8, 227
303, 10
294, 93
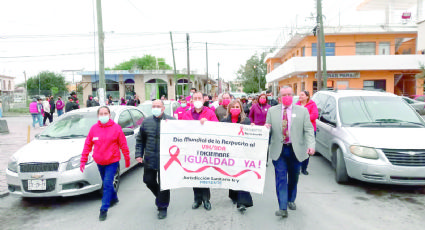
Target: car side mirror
127, 131
37, 136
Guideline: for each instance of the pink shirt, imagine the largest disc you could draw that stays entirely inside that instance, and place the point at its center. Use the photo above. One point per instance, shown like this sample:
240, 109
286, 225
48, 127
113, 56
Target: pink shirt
289, 115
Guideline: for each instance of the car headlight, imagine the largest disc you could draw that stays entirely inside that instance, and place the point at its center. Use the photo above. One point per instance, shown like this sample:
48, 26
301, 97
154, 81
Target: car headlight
365, 152
13, 164
75, 162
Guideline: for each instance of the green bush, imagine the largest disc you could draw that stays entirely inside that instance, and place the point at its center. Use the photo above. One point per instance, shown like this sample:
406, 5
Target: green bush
18, 110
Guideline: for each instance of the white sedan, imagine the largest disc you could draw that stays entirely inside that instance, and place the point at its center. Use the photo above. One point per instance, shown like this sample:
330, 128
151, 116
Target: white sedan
50, 165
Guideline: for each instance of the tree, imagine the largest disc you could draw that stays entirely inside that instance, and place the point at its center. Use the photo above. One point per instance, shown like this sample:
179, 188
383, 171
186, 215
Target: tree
421, 75
47, 81
253, 73
233, 87
147, 62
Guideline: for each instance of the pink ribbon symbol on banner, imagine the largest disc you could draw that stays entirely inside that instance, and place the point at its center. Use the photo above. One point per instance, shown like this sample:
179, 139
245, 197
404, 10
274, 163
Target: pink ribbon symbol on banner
241, 132
177, 152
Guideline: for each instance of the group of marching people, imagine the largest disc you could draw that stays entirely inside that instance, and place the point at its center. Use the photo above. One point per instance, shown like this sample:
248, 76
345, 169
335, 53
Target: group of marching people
292, 141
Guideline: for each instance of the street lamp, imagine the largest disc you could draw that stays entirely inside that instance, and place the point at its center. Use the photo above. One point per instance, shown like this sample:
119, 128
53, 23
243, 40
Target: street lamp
259, 79
219, 85
73, 71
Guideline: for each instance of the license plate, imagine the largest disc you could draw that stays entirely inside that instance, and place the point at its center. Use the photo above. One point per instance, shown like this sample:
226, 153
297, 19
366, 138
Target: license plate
37, 184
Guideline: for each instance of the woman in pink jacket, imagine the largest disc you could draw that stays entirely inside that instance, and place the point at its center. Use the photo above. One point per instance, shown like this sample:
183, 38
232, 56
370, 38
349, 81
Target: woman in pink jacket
107, 138
311, 106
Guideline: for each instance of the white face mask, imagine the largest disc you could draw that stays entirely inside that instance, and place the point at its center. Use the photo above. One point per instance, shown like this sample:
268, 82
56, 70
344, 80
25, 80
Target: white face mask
198, 104
104, 119
156, 112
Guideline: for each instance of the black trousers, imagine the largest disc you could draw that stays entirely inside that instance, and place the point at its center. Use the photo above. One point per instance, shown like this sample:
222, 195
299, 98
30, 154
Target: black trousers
152, 180
47, 115
241, 198
202, 194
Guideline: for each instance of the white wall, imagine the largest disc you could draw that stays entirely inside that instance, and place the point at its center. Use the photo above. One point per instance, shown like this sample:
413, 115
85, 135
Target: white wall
421, 36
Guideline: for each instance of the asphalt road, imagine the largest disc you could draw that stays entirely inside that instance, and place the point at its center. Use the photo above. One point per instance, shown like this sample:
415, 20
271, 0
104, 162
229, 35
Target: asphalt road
321, 204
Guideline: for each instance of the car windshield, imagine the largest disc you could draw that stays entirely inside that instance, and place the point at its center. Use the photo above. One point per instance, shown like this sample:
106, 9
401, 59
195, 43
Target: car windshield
74, 125
357, 111
147, 109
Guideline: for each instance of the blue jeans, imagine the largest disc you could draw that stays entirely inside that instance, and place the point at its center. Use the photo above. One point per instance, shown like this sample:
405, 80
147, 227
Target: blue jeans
107, 173
37, 118
60, 112
287, 171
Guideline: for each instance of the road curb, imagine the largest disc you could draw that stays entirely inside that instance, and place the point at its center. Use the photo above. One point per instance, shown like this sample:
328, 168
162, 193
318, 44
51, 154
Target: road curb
3, 194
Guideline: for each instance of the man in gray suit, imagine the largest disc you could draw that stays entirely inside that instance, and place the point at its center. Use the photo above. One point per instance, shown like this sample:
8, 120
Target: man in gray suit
292, 141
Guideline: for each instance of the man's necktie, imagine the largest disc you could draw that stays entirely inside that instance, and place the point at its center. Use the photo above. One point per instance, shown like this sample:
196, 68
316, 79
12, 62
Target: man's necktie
285, 130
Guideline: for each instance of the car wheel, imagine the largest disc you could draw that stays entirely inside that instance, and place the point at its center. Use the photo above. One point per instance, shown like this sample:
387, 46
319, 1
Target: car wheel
341, 175
116, 181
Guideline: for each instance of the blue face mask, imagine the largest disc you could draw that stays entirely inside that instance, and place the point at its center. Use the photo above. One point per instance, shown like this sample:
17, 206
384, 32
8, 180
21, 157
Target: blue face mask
191, 94
269, 98
104, 119
156, 112
184, 105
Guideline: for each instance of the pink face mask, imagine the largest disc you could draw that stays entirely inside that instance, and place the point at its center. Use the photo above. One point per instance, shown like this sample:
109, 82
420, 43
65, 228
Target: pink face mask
235, 112
262, 101
287, 100
226, 102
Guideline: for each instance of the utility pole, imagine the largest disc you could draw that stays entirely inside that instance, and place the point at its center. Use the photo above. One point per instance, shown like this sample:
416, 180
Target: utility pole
322, 41
206, 51
174, 61
101, 36
188, 62
219, 85
26, 88
319, 61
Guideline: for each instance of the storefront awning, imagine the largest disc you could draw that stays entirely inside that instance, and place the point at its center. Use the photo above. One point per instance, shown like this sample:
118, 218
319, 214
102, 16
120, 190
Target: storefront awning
298, 65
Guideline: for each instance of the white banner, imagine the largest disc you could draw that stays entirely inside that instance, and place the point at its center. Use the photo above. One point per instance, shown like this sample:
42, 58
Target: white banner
214, 155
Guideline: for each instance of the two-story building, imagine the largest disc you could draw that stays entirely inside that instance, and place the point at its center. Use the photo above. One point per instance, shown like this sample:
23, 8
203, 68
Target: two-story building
357, 57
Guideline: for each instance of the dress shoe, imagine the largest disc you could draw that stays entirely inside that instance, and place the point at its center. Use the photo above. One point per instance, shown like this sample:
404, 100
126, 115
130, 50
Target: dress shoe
242, 208
304, 172
113, 203
292, 206
102, 215
282, 213
162, 214
207, 205
196, 204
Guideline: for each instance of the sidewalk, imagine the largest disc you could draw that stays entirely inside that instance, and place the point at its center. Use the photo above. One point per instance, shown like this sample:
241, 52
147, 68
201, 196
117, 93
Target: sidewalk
11, 142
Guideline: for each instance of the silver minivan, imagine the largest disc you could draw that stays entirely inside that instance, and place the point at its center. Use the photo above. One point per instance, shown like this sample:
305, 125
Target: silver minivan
371, 136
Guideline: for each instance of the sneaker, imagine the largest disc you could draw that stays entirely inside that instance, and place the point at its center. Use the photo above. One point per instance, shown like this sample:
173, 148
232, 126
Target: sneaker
304, 172
207, 205
162, 214
196, 204
282, 213
242, 209
102, 215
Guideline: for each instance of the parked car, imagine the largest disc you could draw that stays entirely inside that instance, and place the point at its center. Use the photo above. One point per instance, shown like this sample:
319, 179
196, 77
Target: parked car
170, 107
419, 106
371, 136
418, 97
50, 165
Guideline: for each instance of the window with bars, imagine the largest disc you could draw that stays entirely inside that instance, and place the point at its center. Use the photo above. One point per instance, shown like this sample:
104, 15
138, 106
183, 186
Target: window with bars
365, 48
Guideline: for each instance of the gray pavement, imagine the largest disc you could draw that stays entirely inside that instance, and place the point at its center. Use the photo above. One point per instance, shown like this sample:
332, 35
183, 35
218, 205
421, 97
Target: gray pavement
321, 204
11, 142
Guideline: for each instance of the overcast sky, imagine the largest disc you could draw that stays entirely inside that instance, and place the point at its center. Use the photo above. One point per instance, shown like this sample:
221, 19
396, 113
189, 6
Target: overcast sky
59, 35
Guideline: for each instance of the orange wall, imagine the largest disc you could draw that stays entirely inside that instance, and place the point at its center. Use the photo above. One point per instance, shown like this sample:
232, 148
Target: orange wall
346, 45
352, 82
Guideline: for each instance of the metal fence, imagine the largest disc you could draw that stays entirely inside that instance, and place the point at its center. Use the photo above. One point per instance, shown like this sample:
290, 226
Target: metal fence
19, 101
